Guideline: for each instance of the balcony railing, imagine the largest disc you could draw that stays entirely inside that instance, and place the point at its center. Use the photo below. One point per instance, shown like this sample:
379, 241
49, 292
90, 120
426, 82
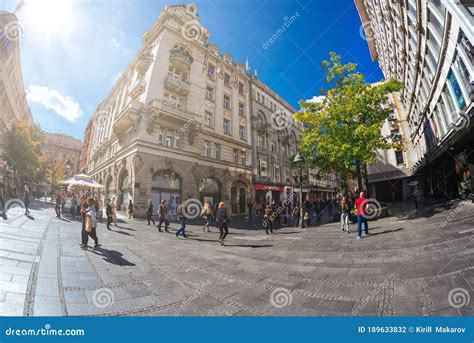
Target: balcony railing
181, 57
164, 108
176, 85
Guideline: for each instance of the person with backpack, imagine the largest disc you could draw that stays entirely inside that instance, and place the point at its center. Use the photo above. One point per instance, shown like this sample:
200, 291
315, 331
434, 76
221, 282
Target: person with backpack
360, 205
149, 212
182, 220
90, 224
207, 214
223, 221
163, 216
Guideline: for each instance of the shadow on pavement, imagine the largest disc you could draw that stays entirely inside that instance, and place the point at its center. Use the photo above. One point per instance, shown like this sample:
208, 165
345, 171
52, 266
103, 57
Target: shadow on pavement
30, 217
386, 231
112, 256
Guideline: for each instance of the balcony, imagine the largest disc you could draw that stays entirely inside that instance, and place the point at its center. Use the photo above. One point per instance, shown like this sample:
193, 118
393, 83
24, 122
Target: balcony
181, 58
164, 110
126, 118
176, 85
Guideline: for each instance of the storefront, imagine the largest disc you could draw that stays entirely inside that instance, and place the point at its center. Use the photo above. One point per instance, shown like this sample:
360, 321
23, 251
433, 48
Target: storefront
210, 190
166, 185
269, 194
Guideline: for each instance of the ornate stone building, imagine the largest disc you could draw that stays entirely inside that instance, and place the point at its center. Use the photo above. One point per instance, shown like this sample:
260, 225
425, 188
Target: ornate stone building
176, 125
13, 105
428, 45
65, 150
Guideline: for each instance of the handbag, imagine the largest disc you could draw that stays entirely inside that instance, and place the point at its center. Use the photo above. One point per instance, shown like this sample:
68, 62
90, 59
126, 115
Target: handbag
88, 226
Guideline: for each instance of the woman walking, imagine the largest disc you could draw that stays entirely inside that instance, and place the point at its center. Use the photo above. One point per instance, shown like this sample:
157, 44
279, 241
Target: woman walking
149, 212
345, 211
163, 216
267, 219
296, 215
90, 224
26, 200
108, 212
208, 215
114, 209
130, 209
182, 220
222, 222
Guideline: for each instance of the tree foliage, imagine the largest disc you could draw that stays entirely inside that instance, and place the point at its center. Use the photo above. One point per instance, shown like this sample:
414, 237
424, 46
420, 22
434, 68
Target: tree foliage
54, 171
343, 128
22, 149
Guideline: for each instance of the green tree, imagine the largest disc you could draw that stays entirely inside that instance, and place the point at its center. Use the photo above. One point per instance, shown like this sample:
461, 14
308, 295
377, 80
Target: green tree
343, 129
54, 171
22, 150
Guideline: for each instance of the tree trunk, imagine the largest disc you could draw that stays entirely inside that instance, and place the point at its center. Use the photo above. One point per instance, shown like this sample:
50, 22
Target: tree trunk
359, 178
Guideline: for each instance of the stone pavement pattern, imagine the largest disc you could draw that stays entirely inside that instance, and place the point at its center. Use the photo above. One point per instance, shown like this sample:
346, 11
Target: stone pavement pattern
407, 266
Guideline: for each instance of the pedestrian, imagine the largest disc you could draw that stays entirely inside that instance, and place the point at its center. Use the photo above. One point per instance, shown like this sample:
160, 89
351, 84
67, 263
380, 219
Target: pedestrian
345, 210
130, 209
2, 198
163, 216
90, 227
317, 209
73, 206
222, 220
267, 219
63, 203
250, 208
108, 213
296, 214
182, 220
306, 219
149, 212
57, 206
360, 205
207, 214
114, 209
414, 195
26, 200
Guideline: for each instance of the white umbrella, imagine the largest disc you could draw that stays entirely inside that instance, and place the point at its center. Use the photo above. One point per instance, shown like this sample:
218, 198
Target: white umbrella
82, 180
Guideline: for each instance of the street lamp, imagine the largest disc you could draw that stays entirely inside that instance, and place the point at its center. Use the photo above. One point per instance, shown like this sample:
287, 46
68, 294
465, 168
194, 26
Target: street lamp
300, 164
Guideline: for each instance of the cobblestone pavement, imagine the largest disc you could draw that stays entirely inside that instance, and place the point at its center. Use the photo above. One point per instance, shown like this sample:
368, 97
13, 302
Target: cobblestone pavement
406, 266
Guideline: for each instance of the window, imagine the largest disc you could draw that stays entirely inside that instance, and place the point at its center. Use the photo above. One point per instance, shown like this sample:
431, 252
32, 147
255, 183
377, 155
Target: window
217, 146
236, 156
241, 88
161, 137
207, 149
260, 141
241, 109
168, 139
176, 140
263, 168
226, 101
209, 93
242, 133
208, 119
243, 157
226, 80
211, 71
273, 146
258, 97
399, 157
226, 126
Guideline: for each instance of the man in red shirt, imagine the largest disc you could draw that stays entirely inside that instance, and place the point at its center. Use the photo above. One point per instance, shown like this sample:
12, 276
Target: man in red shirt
360, 205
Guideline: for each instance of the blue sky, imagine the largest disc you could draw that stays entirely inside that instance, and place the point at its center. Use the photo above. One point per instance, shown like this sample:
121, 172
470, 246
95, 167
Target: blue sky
73, 51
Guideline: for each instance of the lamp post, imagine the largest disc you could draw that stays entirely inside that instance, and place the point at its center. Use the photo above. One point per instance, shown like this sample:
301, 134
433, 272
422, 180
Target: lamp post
300, 164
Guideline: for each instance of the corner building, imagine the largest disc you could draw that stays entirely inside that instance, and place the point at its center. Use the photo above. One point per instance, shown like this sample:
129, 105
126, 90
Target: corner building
179, 122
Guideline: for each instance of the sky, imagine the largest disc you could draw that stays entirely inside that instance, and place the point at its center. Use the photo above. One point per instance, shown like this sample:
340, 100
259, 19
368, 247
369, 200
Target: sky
72, 51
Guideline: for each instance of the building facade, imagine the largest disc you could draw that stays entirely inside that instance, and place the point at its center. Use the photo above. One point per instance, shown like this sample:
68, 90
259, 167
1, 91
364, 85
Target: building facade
428, 46
13, 104
64, 150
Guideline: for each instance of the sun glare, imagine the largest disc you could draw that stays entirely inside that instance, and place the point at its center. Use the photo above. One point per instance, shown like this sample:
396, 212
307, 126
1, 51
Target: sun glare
49, 16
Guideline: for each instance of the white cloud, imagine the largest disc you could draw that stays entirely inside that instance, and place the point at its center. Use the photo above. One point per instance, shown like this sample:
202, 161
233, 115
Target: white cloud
317, 98
52, 99
115, 42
